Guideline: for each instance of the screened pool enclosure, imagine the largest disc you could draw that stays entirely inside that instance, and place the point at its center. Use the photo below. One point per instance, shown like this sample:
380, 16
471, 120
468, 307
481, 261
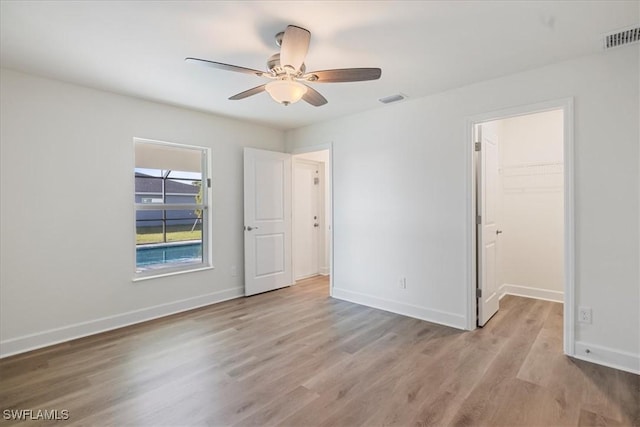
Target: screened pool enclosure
170, 206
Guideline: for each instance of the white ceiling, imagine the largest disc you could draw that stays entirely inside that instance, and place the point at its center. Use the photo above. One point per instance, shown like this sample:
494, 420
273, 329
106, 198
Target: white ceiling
423, 47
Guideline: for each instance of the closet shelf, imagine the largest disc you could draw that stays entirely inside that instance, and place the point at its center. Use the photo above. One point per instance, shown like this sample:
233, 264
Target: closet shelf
532, 177
531, 169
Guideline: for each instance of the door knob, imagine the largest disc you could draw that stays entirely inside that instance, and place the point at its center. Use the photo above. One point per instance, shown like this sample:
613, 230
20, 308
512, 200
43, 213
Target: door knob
498, 231
316, 225
251, 228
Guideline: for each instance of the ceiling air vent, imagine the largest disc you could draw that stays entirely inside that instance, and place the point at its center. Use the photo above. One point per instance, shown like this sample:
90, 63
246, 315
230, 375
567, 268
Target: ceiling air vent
622, 37
393, 98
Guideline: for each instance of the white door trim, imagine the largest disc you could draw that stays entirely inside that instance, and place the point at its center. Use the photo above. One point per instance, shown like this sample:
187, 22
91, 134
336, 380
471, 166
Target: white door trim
311, 149
566, 105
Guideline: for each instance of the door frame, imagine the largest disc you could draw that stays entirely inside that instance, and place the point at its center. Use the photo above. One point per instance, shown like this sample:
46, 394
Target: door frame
327, 197
566, 105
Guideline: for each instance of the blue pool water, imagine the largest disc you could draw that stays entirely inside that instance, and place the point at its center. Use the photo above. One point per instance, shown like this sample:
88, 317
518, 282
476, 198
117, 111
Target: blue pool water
168, 254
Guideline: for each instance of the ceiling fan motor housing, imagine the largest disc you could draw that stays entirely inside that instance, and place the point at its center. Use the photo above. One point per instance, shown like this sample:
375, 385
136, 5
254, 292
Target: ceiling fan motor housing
273, 65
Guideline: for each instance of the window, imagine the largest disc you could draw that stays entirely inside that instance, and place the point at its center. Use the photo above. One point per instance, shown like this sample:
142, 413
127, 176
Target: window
171, 208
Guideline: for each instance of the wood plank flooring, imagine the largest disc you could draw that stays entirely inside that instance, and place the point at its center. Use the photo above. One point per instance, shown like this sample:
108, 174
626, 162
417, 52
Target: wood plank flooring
296, 357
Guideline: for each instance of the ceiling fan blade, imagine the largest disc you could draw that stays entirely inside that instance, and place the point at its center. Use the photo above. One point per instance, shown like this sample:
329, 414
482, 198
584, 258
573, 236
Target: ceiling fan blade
226, 67
313, 97
295, 45
247, 93
345, 75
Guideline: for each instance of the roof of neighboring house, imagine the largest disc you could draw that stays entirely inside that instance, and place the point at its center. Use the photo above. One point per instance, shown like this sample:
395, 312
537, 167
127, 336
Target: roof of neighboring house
149, 184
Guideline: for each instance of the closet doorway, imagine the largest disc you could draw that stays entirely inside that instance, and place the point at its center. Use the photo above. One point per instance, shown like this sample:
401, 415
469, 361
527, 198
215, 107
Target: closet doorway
522, 211
311, 214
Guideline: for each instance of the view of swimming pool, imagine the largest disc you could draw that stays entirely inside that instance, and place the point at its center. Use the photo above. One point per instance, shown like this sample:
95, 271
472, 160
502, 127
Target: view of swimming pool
161, 255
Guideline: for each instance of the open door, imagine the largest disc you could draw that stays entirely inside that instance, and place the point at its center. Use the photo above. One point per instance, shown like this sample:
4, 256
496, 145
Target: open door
267, 221
487, 231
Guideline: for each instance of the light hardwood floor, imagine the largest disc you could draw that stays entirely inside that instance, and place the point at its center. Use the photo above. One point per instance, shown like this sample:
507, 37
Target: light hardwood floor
296, 357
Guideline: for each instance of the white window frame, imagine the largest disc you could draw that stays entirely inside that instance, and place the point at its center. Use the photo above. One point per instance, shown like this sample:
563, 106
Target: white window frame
205, 206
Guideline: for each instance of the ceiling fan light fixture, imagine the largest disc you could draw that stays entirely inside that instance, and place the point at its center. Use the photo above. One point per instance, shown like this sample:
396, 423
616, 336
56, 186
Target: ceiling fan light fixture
286, 91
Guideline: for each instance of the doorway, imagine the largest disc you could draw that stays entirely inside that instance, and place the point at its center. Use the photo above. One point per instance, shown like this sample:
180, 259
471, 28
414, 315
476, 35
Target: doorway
269, 251
521, 207
311, 214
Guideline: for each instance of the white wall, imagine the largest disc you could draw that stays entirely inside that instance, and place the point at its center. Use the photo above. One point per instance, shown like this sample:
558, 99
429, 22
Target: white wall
532, 205
401, 189
67, 209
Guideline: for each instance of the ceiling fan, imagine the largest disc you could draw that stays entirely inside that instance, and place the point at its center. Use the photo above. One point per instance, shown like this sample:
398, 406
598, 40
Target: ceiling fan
288, 73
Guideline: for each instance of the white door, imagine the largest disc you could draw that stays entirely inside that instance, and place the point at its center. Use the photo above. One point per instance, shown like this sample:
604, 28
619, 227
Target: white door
267, 221
306, 217
488, 300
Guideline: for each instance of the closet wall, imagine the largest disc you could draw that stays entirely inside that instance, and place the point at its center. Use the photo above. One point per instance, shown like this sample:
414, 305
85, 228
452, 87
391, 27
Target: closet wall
531, 175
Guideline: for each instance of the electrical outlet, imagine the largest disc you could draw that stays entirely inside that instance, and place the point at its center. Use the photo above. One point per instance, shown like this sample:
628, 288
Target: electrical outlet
584, 314
402, 283
234, 271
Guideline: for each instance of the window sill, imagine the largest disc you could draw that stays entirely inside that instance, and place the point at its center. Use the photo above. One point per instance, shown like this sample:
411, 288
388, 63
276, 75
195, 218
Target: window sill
153, 275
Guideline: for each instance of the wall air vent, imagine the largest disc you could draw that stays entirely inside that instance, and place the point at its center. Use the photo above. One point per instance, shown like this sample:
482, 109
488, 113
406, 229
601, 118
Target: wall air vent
622, 37
393, 98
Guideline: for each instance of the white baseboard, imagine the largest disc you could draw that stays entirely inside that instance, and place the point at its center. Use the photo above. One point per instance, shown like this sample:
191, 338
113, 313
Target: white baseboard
322, 271
67, 333
528, 292
422, 313
608, 357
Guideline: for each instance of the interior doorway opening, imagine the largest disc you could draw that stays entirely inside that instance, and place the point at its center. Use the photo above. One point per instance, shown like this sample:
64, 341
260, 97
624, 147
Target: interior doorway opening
311, 214
522, 210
